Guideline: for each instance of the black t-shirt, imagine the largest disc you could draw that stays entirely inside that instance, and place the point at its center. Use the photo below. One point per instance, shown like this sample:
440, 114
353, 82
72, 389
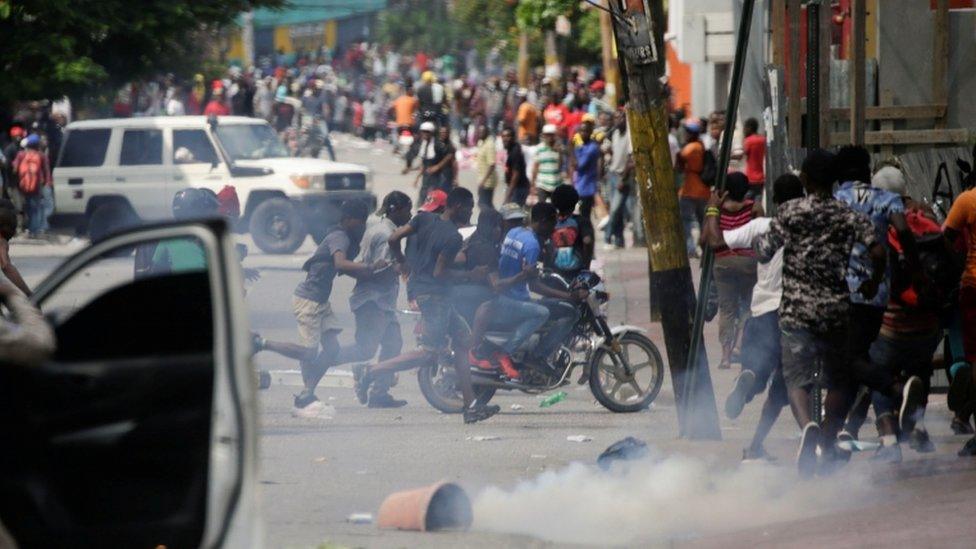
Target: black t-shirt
516, 161
481, 252
433, 237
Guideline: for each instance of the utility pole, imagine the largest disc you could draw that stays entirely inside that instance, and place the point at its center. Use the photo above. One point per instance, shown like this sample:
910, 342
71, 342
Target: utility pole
247, 38
813, 74
639, 27
610, 73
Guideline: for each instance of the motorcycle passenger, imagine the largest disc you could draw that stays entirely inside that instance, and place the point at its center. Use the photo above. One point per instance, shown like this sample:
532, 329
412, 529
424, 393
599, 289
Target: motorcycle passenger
572, 240
481, 250
521, 250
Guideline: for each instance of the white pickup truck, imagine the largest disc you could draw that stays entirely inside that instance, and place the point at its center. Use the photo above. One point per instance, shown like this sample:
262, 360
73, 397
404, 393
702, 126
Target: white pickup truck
113, 173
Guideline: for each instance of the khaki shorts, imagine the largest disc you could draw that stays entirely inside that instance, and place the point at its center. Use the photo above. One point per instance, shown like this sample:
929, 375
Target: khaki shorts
314, 319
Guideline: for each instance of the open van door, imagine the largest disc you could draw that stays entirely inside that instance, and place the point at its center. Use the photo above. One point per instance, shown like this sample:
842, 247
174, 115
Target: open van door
141, 429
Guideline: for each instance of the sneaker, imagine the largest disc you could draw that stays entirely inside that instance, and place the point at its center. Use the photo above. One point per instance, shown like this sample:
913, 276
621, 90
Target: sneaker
887, 454
753, 455
311, 407
603, 223
264, 380
960, 427
361, 382
969, 449
919, 441
736, 400
911, 401
806, 456
478, 362
385, 400
480, 412
505, 363
846, 440
258, 343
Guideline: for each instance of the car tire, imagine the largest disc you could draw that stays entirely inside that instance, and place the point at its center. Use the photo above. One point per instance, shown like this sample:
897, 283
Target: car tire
277, 226
109, 218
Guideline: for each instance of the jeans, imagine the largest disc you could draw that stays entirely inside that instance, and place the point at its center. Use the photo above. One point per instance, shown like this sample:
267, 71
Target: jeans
376, 328
562, 317
37, 208
913, 357
692, 215
526, 316
762, 354
735, 276
520, 195
468, 297
621, 203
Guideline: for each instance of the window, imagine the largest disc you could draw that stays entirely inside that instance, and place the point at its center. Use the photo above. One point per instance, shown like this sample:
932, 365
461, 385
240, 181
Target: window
84, 148
192, 147
250, 141
141, 148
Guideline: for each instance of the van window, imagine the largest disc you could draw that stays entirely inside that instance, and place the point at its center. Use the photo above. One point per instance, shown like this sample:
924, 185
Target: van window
192, 147
141, 148
84, 148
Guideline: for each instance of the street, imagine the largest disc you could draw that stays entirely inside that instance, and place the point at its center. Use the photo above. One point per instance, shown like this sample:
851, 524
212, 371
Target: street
530, 486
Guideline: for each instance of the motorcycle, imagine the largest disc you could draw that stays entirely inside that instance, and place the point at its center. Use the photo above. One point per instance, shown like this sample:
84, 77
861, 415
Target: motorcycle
622, 365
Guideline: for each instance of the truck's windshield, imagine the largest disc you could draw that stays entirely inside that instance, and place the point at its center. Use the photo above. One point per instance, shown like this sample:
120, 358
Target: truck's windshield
250, 141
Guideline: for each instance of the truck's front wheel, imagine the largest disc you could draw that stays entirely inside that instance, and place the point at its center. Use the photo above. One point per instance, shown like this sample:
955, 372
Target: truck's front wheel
277, 226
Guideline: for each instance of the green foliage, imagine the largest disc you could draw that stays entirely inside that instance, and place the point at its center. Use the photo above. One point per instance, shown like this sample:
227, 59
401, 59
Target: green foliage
542, 14
73, 47
417, 25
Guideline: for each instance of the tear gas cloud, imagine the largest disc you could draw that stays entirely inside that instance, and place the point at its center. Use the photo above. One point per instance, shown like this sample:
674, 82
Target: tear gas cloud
660, 499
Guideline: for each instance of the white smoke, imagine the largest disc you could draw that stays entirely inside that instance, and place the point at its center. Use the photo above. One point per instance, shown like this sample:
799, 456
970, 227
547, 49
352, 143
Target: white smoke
659, 499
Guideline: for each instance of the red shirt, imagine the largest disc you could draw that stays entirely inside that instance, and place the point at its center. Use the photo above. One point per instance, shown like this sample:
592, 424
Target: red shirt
556, 114
754, 148
216, 108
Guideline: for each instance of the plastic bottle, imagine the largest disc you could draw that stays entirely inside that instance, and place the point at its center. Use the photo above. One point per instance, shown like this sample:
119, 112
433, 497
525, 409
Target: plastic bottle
553, 399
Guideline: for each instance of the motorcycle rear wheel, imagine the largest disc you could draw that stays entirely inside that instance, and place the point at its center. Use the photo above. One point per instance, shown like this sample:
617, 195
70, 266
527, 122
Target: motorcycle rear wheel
439, 385
606, 381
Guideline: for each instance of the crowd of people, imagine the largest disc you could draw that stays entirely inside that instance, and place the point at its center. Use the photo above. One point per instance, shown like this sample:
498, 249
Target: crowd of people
848, 289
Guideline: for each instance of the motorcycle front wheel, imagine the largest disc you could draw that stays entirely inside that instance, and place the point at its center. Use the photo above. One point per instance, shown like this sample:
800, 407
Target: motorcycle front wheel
609, 381
440, 387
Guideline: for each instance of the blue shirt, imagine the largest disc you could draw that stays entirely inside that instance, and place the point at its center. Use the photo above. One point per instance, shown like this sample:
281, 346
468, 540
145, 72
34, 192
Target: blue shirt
520, 248
878, 205
587, 162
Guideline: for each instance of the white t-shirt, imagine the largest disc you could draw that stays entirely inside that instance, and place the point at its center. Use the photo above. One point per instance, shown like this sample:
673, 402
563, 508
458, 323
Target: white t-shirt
769, 276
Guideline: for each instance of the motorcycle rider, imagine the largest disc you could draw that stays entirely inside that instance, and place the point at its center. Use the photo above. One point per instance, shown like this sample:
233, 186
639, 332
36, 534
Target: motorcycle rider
434, 162
521, 250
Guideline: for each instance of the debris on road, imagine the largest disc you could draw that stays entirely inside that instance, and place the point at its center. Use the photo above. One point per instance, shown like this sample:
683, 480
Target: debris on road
321, 459
516, 406
579, 438
625, 449
538, 456
553, 399
440, 506
360, 518
483, 438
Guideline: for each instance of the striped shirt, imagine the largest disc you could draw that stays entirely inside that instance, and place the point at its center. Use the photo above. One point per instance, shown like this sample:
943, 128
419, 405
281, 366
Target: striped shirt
548, 177
733, 220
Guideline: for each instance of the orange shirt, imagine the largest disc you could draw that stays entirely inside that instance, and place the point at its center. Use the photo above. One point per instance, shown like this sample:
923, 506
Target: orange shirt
404, 108
693, 155
528, 120
962, 218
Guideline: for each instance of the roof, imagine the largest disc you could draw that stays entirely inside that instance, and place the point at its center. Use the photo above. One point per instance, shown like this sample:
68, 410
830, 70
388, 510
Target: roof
314, 11
159, 122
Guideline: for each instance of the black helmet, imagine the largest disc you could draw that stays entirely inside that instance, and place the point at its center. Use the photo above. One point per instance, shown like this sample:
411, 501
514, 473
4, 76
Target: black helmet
190, 203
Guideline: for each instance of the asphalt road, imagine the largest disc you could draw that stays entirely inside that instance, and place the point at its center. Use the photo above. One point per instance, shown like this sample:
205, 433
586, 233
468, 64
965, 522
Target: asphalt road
531, 486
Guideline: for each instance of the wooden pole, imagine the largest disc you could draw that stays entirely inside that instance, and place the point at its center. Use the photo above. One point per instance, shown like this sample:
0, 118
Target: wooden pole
611, 76
523, 58
639, 27
777, 22
813, 74
826, 24
940, 58
796, 111
857, 76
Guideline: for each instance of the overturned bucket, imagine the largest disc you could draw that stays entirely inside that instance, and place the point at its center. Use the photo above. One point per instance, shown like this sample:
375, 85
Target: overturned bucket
440, 506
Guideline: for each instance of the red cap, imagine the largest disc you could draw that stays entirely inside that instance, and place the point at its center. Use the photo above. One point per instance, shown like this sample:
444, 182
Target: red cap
436, 200
16, 131
597, 85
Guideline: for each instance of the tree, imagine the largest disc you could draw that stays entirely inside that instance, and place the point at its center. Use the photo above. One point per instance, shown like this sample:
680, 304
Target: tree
53, 48
417, 25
